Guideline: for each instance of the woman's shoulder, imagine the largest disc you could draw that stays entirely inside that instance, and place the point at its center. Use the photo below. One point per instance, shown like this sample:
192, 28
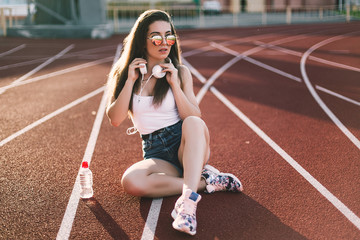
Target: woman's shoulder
183, 70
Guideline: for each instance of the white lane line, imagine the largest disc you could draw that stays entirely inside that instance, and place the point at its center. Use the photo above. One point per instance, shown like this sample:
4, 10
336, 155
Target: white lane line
337, 95
51, 115
13, 50
152, 219
212, 79
41, 66
272, 69
71, 208
78, 54
258, 63
57, 73
315, 183
317, 98
70, 212
350, 215
299, 54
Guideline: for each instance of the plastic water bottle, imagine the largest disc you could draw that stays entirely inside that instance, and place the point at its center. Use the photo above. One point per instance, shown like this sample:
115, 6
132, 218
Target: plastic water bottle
86, 181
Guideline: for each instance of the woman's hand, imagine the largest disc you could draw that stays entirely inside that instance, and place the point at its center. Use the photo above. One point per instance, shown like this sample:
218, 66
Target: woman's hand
172, 76
133, 74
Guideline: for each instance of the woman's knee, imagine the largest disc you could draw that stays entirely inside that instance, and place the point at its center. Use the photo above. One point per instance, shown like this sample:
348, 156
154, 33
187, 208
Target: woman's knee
195, 124
133, 183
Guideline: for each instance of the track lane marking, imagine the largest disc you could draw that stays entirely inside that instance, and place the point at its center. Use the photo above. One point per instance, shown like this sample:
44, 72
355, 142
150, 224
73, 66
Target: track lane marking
13, 50
71, 208
299, 54
244, 55
350, 215
270, 68
152, 219
41, 66
70, 55
317, 98
258, 63
337, 95
51, 115
57, 73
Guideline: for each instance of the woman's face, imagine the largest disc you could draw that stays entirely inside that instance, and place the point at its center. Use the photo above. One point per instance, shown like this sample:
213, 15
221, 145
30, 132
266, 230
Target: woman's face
160, 52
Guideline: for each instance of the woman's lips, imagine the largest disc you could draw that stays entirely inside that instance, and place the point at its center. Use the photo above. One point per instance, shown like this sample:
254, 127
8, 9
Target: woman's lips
163, 50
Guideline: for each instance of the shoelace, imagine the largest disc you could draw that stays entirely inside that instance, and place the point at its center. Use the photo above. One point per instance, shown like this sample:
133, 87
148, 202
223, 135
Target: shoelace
188, 208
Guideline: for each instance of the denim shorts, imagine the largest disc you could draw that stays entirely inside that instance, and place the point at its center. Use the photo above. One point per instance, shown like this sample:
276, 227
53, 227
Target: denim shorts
164, 144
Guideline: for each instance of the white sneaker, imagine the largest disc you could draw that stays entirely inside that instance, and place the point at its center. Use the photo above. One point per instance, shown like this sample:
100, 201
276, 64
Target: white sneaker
184, 213
218, 181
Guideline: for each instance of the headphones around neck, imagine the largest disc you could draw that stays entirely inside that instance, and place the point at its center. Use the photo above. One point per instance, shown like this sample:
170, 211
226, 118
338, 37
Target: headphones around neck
156, 70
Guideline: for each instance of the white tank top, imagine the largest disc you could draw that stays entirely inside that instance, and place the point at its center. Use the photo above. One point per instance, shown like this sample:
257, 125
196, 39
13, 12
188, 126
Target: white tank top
148, 118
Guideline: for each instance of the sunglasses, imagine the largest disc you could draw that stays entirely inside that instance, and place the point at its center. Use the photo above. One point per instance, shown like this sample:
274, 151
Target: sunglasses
157, 40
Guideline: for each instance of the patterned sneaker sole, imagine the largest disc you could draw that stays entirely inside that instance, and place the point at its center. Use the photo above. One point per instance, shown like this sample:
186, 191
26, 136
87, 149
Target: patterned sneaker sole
236, 179
210, 189
183, 229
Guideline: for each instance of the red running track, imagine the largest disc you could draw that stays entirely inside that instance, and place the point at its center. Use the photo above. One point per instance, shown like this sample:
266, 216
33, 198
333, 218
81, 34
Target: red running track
282, 105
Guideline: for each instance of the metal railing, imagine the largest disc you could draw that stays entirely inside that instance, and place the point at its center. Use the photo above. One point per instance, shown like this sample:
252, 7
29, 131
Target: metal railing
124, 16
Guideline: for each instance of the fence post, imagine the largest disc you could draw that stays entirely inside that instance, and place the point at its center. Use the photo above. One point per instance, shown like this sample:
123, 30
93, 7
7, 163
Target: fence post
321, 13
288, 15
116, 19
201, 17
348, 18
3, 21
264, 16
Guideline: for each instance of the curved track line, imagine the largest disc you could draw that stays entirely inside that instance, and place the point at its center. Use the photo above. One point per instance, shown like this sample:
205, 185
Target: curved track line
299, 54
350, 215
317, 98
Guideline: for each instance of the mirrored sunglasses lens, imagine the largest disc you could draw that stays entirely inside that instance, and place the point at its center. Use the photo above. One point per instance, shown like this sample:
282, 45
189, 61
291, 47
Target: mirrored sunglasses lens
156, 40
170, 40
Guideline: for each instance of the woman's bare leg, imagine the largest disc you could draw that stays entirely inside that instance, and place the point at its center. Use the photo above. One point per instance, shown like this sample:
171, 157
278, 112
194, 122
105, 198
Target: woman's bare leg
194, 152
154, 178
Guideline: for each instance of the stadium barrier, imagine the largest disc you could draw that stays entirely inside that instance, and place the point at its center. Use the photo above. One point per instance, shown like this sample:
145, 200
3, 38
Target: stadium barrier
123, 16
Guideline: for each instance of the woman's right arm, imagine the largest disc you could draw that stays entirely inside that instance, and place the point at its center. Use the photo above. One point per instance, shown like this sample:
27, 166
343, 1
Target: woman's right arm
117, 110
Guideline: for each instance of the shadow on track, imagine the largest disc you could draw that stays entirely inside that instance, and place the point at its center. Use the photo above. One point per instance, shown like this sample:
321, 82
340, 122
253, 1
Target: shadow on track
105, 219
224, 216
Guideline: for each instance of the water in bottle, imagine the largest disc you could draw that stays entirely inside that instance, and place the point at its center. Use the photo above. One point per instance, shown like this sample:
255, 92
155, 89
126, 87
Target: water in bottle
86, 181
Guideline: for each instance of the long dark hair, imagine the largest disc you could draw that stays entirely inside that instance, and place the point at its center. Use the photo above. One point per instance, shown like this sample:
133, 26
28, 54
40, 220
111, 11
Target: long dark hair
133, 47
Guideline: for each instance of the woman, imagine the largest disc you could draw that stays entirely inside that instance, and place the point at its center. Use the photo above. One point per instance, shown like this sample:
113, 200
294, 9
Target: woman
165, 112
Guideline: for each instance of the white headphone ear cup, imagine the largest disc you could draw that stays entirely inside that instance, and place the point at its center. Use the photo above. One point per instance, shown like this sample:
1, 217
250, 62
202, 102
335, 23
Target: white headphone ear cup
157, 71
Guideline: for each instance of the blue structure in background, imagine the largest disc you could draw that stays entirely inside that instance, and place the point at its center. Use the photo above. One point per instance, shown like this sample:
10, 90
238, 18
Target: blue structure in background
65, 19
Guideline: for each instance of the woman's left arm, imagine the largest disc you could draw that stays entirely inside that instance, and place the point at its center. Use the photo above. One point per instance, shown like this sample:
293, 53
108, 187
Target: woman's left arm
184, 95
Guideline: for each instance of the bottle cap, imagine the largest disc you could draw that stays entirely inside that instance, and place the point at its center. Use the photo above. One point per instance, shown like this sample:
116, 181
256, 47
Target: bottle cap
85, 165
